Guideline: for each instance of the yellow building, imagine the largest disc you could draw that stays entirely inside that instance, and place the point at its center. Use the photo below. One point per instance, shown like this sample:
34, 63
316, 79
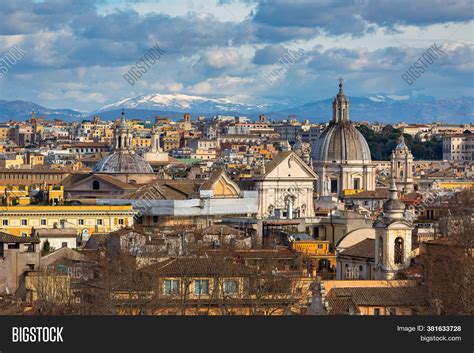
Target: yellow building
141, 142
318, 251
55, 194
14, 195
171, 140
311, 247
20, 220
10, 161
35, 159
4, 132
453, 185
204, 154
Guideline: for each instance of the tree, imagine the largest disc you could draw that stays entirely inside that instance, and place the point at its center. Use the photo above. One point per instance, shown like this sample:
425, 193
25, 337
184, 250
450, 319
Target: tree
46, 247
448, 265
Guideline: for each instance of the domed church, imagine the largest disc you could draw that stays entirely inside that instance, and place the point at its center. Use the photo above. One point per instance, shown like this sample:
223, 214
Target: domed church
341, 155
124, 164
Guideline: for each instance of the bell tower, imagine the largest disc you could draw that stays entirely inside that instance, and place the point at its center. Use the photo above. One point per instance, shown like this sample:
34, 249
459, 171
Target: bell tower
402, 166
393, 238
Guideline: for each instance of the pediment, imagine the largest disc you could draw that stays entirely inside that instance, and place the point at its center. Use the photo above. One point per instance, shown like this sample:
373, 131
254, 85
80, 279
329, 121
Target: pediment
290, 166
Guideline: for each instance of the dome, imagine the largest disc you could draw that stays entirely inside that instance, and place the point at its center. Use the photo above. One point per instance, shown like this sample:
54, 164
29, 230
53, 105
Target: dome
341, 141
393, 208
394, 205
123, 162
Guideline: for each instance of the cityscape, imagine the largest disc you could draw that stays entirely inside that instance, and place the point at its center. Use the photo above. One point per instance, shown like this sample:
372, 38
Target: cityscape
171, 181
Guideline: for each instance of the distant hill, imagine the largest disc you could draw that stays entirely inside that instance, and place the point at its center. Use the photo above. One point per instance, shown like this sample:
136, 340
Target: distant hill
21, 110
384, 108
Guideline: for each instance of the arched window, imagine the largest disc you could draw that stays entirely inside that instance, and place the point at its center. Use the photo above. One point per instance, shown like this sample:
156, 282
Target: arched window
399, 251
95, 185
380, 250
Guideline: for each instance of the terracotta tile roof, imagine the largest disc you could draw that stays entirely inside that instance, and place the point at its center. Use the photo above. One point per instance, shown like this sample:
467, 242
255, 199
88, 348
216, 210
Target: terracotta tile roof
199, 266
370, 194
90, 144
115, 181
342, 306
219, 229
168, 190
96, 241
365, 249
280, 157
8, 238
82, 177
380, 296
265, 254
56, 232
208, 184
448, 173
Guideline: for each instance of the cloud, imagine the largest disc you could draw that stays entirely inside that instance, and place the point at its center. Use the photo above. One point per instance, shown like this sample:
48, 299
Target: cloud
388, 13
78, 50
216, 61
268, 54
354, 18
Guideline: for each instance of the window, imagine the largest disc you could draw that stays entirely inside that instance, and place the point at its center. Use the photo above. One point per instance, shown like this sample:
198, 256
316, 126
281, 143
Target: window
99, 222
392, 311
356, 183
201, 287
380, 250
81, 222
120, 221
95, 185
24, 222
155, 219
333, 186
64, 244
230, 287
399, 251
43, 222
377, 311
171, 286
5, 222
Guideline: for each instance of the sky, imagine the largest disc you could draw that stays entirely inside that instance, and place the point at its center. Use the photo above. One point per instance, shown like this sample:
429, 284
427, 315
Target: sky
74, 54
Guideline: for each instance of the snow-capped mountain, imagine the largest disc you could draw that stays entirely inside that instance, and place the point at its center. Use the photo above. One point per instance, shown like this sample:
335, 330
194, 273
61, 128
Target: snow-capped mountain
389, 108
381, 107
178, 103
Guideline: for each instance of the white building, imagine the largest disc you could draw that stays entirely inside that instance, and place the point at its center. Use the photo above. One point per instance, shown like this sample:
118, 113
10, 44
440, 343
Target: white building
285, 188
458, 147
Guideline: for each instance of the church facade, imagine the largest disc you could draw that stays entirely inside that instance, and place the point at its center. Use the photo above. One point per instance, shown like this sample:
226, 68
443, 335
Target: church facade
285, 188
